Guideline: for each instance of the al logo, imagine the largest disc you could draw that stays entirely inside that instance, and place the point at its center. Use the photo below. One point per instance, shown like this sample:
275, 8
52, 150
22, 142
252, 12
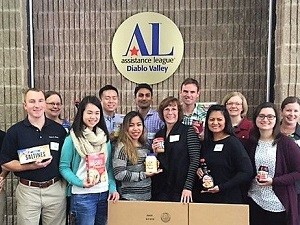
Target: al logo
147, 48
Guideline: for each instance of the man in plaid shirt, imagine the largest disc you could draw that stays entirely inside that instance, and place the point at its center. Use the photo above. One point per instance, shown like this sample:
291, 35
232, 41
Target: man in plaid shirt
194, 112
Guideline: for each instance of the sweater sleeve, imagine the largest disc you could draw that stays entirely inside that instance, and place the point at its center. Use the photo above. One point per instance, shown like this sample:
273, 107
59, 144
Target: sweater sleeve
242, 163
193, 144
121, 172
111, 180
65, 164
291, 156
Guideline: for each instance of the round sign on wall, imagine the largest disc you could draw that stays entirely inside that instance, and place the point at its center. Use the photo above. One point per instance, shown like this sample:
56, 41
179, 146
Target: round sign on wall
147, 48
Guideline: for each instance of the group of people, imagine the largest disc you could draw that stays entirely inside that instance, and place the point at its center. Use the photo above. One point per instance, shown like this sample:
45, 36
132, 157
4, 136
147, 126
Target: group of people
102, 155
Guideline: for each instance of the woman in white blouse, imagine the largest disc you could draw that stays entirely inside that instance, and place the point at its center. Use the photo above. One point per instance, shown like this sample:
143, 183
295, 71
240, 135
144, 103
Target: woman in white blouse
273, 198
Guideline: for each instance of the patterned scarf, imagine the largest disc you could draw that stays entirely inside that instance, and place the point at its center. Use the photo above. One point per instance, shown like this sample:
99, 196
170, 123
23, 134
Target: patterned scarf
90, 142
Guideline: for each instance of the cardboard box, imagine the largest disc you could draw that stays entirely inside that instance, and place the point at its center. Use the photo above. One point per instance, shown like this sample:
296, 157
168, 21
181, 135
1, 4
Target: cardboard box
147, 213
218, 214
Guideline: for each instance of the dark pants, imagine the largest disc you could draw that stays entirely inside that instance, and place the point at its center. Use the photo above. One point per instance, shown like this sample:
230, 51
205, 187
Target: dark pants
259, 216
168, 197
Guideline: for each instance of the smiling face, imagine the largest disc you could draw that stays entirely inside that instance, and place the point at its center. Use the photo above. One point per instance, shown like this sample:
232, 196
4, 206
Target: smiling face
189, 94
35, 104
291, 114
234, 105
53, 106
91, 116
266, 119
135, 129
109, 101
216, 122
170, 114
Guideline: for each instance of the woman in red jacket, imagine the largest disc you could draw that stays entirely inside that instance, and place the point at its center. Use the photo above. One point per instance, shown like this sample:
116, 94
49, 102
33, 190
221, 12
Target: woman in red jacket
237, 106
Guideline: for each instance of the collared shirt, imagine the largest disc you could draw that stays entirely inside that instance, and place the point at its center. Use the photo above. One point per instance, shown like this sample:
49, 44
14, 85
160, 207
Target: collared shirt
198, 114
113, 123
153, 124
24, 135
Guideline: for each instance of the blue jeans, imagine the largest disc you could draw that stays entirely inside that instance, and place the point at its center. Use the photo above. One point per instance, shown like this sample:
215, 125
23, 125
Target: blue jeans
89, 209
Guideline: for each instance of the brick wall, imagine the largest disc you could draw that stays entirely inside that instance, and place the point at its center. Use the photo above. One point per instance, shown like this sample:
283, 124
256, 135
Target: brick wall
225, 47
13, 76
287, 50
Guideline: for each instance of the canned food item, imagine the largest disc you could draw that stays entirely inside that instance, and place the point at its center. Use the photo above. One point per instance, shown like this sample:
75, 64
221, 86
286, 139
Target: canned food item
117, 128
263, 172
151, 164
198, 126
161, 142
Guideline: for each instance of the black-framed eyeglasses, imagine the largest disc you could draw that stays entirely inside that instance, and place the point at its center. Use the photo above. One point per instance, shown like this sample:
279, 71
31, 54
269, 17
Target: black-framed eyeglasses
269, 116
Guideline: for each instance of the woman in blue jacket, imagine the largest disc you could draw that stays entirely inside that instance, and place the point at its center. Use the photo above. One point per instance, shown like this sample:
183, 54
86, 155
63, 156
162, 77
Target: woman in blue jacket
86, 165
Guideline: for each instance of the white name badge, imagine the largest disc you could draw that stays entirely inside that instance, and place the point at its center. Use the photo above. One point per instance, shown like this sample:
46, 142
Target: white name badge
298, 142
174, 138
54, 146
218, 148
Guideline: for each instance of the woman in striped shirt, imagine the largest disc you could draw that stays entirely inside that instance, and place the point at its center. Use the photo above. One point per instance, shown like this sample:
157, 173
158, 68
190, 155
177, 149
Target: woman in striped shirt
129, 158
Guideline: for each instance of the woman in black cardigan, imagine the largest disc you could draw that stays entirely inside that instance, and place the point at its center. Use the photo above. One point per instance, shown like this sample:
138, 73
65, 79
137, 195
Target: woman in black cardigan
180, 158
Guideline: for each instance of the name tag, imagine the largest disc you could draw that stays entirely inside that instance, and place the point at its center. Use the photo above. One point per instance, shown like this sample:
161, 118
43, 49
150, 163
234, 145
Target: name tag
54, 146
218, 148
174, 138
298, 142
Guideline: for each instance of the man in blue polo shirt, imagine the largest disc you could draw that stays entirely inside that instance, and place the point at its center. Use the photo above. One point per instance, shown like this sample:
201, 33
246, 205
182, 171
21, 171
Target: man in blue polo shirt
40, 192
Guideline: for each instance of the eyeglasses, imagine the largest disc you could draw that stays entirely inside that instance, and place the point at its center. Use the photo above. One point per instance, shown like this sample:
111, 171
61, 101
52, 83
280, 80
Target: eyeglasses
269, 116
234, 103
58, 104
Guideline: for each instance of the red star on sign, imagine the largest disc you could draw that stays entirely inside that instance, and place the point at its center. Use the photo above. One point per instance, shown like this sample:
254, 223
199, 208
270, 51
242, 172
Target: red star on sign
134, 51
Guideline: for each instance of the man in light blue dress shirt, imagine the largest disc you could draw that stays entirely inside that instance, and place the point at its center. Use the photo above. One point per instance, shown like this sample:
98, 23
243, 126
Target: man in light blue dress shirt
109, 97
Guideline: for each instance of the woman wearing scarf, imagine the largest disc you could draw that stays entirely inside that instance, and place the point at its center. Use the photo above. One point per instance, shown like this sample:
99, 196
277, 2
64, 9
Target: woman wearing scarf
86, 165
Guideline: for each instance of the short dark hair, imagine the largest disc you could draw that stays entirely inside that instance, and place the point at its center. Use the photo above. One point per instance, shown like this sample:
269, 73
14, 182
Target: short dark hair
106, 88
228, 129
190, 81
78, 124
288, 100
143, 85
170, 101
